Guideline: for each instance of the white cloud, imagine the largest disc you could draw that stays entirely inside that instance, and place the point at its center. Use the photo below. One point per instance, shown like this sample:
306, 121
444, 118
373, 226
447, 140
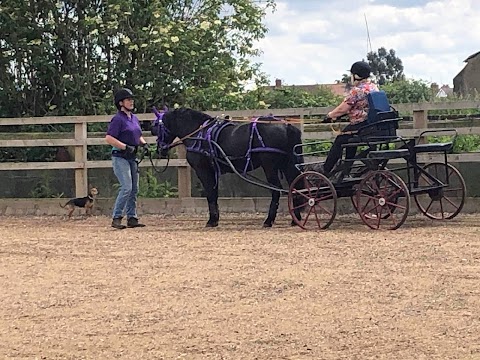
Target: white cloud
315, 41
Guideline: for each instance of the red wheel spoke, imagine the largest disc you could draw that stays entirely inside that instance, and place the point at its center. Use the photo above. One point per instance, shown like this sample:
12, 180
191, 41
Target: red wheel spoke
307, 216
316, 217
428, 208
452, 190
427, 180
299, 192
392, 215
307, 187
449, 176
395, 205
451, 202
326, 197
379, 218
300, 206
326, 210
392, 195
376, 186
370, 197
375, 207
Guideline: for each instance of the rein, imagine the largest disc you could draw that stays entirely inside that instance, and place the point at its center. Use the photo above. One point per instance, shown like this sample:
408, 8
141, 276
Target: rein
340, 132
180, 140
153, 165
273, 121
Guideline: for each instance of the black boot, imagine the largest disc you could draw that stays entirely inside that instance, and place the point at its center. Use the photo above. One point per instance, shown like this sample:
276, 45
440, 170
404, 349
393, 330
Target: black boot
117, 223
133, 223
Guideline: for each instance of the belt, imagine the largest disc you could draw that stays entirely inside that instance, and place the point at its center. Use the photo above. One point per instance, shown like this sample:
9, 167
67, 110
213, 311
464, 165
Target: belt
124, 154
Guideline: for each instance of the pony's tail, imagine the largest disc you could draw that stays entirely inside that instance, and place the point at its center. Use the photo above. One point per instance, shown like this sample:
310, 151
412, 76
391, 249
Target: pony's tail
291, 171
294, 136
294, 154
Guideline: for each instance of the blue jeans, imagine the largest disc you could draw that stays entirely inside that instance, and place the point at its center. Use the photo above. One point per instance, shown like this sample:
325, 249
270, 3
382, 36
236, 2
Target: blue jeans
126, 172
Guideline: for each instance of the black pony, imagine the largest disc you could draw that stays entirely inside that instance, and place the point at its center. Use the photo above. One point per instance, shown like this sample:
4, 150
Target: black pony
266, 144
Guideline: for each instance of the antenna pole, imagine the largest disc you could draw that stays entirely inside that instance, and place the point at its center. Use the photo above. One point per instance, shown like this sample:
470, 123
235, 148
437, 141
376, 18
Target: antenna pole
369, 43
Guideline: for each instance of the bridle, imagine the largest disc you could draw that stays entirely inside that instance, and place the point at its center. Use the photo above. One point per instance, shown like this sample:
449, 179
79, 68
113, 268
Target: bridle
163, 133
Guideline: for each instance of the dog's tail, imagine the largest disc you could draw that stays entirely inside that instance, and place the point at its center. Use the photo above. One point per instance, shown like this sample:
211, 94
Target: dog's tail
63, 206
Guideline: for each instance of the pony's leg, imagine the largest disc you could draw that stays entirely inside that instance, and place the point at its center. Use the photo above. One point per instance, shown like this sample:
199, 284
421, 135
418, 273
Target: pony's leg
272, 178
291, 173
207, 178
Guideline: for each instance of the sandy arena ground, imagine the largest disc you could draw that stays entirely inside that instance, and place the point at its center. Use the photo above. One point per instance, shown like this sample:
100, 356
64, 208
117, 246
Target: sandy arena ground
174, 290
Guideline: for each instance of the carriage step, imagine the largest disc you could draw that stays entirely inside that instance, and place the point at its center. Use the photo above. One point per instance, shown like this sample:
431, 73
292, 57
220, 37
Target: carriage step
433, 147
389, 154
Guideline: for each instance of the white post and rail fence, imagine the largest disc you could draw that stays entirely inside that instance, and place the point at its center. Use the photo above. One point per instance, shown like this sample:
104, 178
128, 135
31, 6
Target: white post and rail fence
311, 128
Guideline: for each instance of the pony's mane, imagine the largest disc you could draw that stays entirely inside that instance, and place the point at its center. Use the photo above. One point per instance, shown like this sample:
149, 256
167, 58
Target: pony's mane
185, 111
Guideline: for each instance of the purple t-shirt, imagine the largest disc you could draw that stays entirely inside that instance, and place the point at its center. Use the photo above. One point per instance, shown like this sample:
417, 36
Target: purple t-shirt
124, 129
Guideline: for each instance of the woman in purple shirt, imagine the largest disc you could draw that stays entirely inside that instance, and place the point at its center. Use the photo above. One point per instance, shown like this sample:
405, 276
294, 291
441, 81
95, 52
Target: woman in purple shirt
124, 134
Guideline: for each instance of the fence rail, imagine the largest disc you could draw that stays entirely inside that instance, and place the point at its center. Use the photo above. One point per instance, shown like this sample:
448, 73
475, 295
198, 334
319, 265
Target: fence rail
81, 139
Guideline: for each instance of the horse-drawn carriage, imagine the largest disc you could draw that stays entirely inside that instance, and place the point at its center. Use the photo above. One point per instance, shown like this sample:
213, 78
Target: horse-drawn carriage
379, 193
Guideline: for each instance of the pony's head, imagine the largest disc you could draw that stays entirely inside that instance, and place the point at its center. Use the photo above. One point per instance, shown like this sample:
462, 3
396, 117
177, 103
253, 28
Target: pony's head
181, 123
162, 132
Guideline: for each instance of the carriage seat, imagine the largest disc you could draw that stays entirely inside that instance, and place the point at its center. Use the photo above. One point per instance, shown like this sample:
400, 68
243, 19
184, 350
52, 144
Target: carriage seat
389, 154
433, 147
382, 119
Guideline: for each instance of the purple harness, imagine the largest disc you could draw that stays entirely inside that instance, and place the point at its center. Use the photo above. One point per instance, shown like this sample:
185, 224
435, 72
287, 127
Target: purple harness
211, 133
254, 132
203, 141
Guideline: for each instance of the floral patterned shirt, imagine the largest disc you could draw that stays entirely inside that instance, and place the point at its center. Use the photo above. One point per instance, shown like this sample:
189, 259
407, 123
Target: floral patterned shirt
357, 99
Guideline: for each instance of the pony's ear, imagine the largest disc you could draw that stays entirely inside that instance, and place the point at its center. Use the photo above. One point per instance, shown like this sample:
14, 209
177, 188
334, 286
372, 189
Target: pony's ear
158, 114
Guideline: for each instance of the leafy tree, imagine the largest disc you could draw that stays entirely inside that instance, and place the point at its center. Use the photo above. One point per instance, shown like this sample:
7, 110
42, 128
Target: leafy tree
386, 66
291, 97
66, 57
346, 78
407, 91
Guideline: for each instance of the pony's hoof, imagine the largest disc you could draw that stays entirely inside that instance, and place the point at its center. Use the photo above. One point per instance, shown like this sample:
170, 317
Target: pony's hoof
211, 224
267, 225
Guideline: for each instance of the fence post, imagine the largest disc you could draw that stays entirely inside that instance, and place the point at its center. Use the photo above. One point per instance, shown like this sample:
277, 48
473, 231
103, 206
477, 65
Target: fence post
184, 174
302, 124
81, 175
420, 121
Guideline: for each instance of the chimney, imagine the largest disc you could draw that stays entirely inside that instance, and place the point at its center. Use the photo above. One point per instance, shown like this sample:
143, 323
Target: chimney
435, 88
278, 83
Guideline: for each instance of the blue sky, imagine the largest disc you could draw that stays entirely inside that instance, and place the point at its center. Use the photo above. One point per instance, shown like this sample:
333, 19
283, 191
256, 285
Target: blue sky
314, 41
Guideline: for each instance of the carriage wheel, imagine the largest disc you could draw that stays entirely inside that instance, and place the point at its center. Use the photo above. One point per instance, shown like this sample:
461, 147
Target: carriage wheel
442, 203
383, 200
314, 195
385, 215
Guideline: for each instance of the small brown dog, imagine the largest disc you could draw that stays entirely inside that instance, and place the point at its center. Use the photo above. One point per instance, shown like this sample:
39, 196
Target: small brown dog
86, 202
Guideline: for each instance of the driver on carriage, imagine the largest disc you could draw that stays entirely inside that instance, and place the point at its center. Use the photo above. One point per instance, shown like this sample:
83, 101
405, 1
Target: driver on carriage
355, 105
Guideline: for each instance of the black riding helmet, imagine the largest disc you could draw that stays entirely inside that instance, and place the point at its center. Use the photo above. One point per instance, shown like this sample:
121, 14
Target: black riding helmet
362, 69
121, 95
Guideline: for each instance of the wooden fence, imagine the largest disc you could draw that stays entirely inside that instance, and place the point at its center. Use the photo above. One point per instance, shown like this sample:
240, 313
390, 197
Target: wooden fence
81, 139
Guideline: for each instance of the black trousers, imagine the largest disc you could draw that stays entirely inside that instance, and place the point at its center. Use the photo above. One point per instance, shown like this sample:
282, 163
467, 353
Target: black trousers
335, 152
